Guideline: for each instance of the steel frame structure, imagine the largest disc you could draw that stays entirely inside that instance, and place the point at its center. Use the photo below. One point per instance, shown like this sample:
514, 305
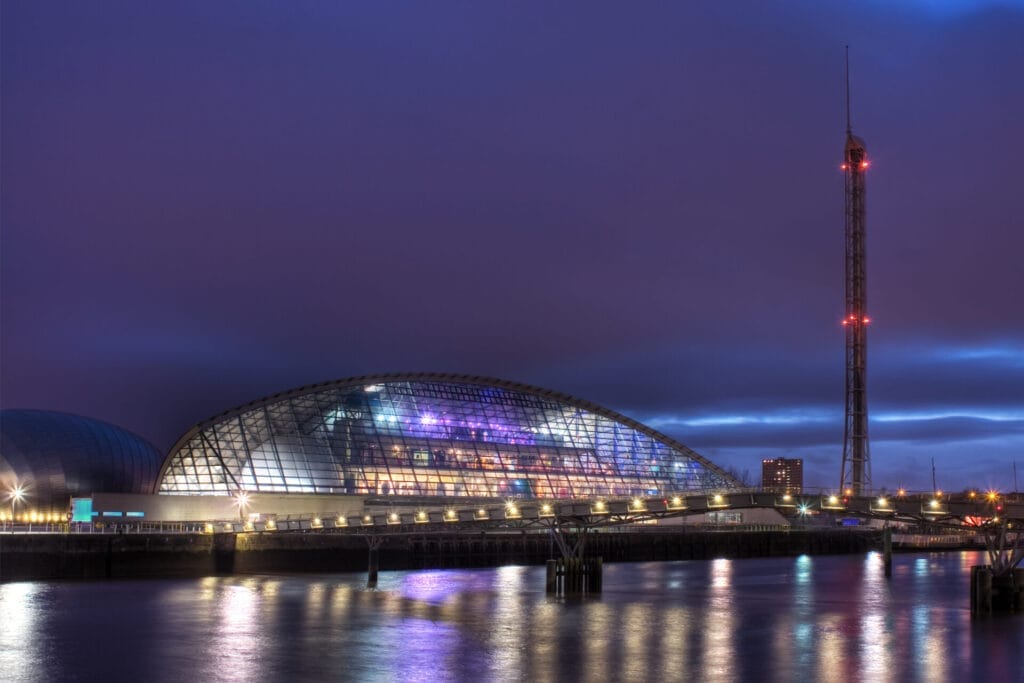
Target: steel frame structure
436, 435
856, 466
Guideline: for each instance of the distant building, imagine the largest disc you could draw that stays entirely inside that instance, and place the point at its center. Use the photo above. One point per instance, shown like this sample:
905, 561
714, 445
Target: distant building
784, 475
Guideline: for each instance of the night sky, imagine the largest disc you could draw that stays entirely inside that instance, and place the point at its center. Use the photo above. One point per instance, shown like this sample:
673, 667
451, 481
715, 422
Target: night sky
639, 204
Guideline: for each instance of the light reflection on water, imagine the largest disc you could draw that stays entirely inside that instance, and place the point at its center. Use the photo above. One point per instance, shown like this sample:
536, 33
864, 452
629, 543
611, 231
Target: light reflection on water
719, 624
793, 639
874, 631
803, 618
20, 607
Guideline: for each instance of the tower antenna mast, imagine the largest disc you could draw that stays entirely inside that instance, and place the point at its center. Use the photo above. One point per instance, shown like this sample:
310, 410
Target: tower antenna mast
849, 127
856, 467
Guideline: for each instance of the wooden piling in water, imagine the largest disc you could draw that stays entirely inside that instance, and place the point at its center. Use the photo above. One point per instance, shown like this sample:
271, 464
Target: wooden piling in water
887, 552
981, 589
594, 575
373, 568
974, 588
991, 593
574, 576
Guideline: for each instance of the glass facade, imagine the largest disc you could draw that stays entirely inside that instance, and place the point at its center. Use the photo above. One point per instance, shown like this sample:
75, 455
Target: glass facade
431, 435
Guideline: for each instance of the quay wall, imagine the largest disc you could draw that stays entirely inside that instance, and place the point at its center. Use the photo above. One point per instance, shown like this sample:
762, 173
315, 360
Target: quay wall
98, 556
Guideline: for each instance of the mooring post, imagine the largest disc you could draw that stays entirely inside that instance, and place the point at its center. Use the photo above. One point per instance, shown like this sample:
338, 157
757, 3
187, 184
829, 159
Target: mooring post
887, 551
552, 577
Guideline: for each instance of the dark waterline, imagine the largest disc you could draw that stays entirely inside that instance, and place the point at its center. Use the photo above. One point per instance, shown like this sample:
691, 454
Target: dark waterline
827, 618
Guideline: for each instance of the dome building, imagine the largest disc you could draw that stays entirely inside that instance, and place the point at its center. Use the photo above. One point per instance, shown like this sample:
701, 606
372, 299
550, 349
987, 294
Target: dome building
431, 435
46, 458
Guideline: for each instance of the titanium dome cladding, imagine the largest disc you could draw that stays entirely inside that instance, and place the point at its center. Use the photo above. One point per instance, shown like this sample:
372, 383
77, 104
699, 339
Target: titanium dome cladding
53, 456
432, 435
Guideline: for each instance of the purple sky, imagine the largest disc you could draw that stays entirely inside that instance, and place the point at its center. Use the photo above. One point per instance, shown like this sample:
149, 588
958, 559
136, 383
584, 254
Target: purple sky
636, 203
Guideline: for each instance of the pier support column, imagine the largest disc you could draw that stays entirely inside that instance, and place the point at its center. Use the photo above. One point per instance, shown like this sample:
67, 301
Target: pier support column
594, 575
981, 589
373, 568
373, 564
571, 576
887, 551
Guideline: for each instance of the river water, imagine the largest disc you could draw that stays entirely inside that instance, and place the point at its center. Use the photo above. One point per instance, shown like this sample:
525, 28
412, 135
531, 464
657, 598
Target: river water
826, 618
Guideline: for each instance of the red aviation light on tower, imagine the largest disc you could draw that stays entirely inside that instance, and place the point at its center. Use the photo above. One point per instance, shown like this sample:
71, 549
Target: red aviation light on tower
854, 319
862, 165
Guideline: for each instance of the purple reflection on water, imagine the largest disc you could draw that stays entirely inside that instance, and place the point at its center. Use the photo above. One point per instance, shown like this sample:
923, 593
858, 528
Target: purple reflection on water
803, 618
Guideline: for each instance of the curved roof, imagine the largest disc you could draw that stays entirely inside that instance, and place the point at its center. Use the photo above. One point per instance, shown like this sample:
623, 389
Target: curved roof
55, 456
226, 444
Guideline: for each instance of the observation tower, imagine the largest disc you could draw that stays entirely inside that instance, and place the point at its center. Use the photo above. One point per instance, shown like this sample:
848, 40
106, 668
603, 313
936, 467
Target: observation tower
856, 468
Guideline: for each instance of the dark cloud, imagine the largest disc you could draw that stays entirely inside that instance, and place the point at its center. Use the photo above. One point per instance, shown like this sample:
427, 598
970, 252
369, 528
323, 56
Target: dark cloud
203, 203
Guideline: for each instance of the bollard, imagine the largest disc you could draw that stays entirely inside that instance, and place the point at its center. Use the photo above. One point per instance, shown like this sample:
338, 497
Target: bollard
374, 566
550, 584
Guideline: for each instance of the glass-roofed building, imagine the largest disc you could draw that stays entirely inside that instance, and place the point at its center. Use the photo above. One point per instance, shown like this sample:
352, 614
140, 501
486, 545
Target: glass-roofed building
431, 435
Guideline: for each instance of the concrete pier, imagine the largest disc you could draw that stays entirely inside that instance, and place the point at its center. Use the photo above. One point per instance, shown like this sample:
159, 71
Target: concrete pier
96, 556
573, 576
992, 592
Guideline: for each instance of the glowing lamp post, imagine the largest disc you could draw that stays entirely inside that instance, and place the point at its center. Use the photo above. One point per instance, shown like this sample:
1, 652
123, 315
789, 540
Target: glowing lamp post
241, 502
16, 496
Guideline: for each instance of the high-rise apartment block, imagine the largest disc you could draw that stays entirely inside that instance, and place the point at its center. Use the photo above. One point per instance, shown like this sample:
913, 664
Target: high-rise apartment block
782, 475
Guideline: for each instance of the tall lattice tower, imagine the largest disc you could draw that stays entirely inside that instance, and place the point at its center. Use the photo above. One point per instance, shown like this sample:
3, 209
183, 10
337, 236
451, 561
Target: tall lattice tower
856, 470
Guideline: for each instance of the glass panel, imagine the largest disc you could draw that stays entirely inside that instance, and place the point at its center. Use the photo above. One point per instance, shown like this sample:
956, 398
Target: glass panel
432, 438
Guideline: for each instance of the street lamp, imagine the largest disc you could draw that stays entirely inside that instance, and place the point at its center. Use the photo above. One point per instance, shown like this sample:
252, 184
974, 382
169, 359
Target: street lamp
17, 496
242, 502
